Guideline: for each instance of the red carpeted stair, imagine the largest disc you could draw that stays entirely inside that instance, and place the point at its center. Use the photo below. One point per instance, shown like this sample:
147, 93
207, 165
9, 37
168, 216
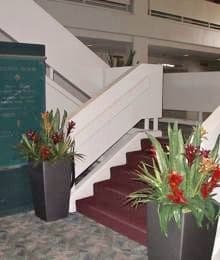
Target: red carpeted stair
109, 204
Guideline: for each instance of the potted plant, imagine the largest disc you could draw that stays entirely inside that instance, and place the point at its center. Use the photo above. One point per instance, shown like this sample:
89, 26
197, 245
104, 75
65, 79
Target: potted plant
119, 59
180, 197
51, 154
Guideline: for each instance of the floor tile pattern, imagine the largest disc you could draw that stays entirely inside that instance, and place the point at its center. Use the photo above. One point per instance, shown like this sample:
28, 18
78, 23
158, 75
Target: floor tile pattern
26, 237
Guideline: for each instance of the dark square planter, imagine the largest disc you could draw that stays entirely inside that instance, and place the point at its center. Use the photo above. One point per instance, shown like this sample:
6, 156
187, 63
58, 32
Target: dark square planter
187, 243
51, 185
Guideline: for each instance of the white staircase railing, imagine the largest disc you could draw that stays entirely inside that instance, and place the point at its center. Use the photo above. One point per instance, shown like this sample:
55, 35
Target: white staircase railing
212, 126
106, 118
65, 53
131, 94
189, 91
56, 96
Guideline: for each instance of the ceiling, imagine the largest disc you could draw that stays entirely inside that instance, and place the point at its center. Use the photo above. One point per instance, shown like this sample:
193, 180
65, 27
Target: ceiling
184, 60
106, 45
214, 1
157, 54
154, 50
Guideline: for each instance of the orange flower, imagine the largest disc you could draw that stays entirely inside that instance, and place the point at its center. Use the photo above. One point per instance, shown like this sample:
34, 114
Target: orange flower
207, 165
47, 124
203, 132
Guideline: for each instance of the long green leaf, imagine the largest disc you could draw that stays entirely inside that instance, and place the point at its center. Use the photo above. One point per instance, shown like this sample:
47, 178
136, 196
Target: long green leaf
160, 155
56, 121
63, 120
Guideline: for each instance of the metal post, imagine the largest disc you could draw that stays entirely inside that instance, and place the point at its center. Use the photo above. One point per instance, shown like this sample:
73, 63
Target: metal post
146, 123
51, 73
155, 124
200, 116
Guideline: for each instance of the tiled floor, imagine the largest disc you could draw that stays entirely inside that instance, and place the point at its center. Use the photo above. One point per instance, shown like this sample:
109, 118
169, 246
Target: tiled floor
26, 237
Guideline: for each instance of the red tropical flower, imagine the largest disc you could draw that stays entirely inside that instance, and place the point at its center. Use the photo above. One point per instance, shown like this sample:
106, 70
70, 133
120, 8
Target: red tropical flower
32, 135
206, 189
216, 175
57, 138
152, 151
71, 125
190, 153
177, 196
174, 179
45, 152
204, 153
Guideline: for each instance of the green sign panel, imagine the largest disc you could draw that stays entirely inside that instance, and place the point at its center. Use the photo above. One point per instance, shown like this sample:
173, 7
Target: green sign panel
22, 99
21, 102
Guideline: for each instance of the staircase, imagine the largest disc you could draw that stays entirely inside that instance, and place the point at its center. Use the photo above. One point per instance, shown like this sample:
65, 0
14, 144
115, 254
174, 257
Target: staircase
105, 105
109, 204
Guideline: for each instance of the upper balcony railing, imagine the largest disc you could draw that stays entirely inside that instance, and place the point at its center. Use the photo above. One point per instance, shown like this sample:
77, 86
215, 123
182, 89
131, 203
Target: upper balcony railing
182, 19
199, 12
123, 5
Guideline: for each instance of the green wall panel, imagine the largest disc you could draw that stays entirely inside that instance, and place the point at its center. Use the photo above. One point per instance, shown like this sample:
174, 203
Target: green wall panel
22, 99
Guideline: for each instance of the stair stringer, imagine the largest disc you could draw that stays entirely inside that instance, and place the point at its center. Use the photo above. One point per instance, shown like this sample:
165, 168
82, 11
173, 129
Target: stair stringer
115, 156
103, 120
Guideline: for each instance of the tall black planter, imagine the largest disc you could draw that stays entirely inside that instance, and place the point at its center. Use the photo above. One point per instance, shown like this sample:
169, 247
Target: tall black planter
51, 184
187, 243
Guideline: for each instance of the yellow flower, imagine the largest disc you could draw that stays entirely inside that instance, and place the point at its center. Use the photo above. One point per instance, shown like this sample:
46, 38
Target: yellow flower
203, 132
47, 124
207, 165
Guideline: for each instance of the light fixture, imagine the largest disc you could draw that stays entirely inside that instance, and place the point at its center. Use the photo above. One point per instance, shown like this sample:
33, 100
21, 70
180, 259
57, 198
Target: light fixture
218, 59
167, 65
186, 55
89, 45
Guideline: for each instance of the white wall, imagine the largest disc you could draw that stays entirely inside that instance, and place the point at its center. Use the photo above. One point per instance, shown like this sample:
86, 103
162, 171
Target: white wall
196, 91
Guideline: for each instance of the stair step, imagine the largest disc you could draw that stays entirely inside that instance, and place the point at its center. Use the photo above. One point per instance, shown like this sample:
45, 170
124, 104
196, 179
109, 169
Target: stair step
146, 143
136, 157
125, 175
116, 192
131, 225
117, 188
109, 205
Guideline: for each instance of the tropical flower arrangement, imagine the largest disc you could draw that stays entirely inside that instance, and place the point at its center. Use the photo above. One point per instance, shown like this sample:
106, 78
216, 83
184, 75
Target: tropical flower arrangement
182, 179
51, 142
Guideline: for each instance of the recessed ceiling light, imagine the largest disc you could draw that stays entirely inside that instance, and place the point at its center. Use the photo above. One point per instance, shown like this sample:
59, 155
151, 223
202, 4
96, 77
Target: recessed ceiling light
89, 45
168, 65
186, 55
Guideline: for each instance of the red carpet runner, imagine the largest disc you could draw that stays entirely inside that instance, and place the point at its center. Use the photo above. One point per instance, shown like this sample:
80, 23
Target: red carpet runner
108, 205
